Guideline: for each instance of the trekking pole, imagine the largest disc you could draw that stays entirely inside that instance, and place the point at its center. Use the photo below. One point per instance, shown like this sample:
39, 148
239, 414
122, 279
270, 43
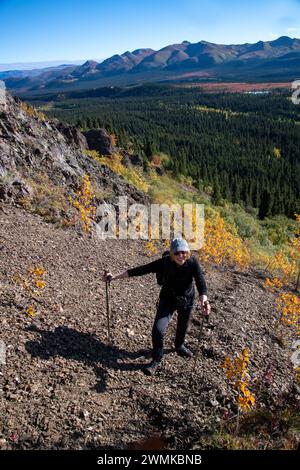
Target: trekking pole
107, 286
198, 348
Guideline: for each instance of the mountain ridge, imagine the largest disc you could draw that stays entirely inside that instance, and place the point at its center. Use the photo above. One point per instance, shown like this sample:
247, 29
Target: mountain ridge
58, 357
213, 61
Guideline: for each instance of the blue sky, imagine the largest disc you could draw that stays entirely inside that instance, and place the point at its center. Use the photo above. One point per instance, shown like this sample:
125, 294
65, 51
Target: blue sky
36, 30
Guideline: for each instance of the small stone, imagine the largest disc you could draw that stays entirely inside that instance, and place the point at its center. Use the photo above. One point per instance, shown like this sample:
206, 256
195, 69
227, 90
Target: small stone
85, 414
214, 402
129, 332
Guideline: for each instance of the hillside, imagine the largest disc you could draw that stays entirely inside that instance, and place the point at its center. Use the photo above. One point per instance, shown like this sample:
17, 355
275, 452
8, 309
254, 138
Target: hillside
63, 386
39, 156
244, 147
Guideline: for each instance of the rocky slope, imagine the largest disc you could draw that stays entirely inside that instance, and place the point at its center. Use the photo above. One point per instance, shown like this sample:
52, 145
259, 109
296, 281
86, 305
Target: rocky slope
35, 151
63, 386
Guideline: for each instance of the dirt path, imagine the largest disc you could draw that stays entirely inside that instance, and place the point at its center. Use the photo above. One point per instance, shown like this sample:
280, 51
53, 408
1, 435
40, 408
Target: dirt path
63, 386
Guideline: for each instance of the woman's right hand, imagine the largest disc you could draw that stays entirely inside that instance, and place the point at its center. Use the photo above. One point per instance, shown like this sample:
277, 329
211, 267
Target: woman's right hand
107, 276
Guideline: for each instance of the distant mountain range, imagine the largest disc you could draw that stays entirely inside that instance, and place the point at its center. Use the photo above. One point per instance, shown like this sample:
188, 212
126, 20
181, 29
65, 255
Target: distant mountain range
30, 66
277, 60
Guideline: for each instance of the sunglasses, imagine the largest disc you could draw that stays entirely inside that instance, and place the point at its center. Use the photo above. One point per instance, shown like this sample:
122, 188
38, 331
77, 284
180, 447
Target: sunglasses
177, 253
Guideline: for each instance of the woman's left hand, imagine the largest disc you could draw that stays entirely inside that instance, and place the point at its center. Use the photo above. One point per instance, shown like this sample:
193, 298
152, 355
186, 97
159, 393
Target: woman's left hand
204, 305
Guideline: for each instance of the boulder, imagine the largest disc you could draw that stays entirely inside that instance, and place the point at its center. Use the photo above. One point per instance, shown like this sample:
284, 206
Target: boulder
72, 136
136, 159
131, 160
100, 140
14, 190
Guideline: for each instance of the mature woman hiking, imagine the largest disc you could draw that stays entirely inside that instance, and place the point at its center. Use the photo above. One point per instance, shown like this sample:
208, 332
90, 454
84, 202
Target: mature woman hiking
177, 270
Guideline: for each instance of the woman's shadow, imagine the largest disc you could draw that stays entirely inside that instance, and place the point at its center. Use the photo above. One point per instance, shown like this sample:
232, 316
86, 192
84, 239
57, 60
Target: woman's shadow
84, 347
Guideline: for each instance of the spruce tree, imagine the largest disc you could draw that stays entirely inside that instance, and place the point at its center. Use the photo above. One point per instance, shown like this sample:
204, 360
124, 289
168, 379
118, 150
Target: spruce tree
266, 205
